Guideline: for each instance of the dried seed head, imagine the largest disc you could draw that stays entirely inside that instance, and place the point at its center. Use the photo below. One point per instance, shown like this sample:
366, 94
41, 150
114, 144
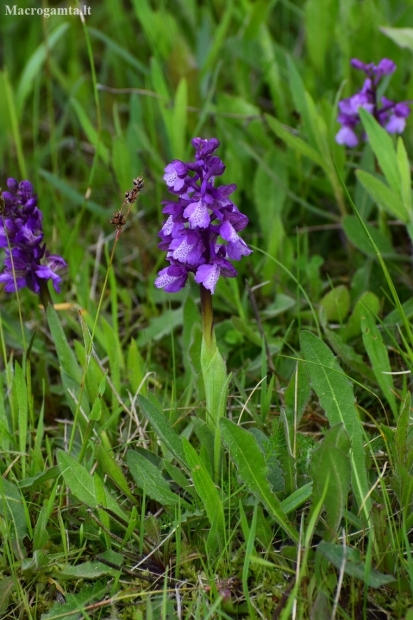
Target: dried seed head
138, 183
131, 196
118, 219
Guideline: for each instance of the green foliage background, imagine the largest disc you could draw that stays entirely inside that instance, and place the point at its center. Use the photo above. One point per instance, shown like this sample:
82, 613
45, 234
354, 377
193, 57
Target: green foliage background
86, 106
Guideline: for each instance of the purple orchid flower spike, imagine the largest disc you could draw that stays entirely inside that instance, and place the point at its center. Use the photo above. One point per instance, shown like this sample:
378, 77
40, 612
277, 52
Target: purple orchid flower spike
27, 261
201, 231
201, 214
392, 116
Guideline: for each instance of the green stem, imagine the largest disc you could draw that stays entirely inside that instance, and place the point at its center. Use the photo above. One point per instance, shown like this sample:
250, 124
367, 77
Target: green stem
207, 316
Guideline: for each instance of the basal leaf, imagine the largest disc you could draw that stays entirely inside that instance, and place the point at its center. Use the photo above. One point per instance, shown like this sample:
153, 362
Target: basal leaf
330, 467
147, 476
355, 233
379, 358
296, 143
383, 195
336, 303
112, 469
208, 494
353, 326
382, 145
12, 509
253, 470
82, 484
335, 393
162, 427
349, 559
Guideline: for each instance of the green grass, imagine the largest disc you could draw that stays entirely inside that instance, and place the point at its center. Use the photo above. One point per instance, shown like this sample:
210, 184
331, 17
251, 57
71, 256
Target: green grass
120, 496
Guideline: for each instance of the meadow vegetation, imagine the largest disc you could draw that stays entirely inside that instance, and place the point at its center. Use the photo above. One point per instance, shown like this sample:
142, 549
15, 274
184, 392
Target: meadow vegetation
152, 469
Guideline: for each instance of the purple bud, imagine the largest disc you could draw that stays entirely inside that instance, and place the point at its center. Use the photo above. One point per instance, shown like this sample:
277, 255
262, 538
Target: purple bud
12, 185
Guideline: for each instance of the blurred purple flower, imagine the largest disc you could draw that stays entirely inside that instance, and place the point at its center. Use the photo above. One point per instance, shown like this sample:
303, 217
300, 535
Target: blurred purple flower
201, 215
27, 261
392, 116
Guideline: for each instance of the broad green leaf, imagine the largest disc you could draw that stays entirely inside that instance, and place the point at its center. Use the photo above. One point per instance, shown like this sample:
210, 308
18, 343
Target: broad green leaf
275, 472
160, 326
349, 558
253, 470
19, 385
70, 371
135, 369
355, 233
82, 484
40, 534
180, 478
336, 303
296, 395
320, 21
294, 142
112, 469
245, 329
331, 470
208, 494
65, 354
121, 161
75, 198
382, 145
119, 51
219, 38
353, 326
402, 485
35, 63
44, 476
214, 373
147, 476
205, 436
286, 441
396, 315
163, 428
335, 393
270, 192
296, 499
272, 73
301, 103
7, 587
405, 175
403, 37
87, 570
383, 195
75, 604
348, 355
112, 347
10, 116
402, 441
379, 358
179, 122
281, 304
12, 509
91, 133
